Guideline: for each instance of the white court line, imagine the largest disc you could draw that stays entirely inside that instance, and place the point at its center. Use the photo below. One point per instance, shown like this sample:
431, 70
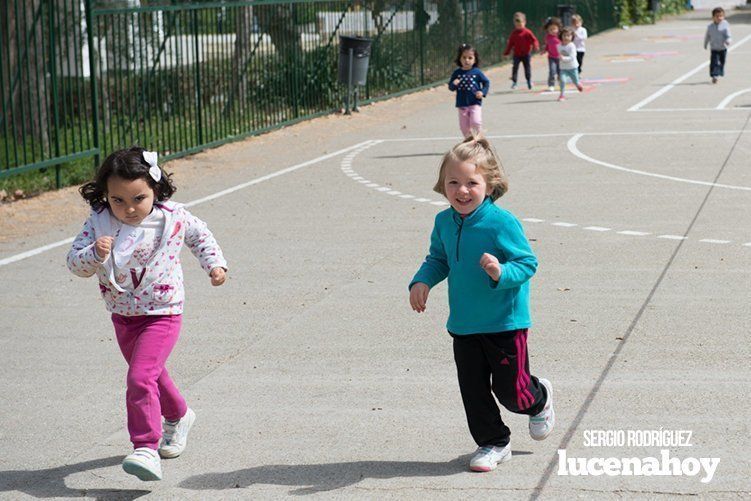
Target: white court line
39, 250
663, 110
633, 233
569, 134
457, 138
597, 228
732, 96
673, 237
714, 241
572, 147
680, 79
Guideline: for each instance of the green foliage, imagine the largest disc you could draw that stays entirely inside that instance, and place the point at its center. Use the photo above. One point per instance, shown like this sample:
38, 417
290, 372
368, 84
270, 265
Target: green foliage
638, 11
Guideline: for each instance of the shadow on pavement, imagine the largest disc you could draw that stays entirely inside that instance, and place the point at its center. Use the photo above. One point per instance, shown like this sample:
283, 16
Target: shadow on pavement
312, 478
51, 482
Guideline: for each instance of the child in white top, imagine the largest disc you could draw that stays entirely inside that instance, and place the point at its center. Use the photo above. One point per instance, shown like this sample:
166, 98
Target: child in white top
569, 65
132, 242
580, 35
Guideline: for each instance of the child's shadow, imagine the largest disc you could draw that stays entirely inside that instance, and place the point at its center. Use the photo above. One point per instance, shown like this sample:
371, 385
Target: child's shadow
51, 482
312, 478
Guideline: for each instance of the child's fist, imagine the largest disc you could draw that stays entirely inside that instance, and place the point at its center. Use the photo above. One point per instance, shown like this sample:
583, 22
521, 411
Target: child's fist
218, 276
478, 94
492, 267
457, 81
418, 296
103, 247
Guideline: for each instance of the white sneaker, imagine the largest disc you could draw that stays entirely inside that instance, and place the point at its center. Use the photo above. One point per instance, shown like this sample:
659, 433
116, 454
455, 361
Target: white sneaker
487, 458
541, 425
551, 88
144, 463
175, 435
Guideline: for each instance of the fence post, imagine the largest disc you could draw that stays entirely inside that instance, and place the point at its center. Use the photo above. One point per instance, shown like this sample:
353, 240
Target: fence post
53, 81
197, 77
92, 80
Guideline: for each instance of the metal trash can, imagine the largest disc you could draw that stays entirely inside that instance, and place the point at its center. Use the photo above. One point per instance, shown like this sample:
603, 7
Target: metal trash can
360, 58
566, 12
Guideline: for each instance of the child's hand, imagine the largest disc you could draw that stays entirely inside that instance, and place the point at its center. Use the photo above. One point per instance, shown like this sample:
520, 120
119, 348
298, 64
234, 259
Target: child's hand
456, 82
418, 296
218, 275
478, 94
491, 266
103, 247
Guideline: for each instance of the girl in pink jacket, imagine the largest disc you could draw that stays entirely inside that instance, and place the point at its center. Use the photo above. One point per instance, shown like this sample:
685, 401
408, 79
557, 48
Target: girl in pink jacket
132, 242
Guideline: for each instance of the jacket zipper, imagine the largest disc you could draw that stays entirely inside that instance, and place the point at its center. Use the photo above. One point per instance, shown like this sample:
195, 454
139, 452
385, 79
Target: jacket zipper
458, 238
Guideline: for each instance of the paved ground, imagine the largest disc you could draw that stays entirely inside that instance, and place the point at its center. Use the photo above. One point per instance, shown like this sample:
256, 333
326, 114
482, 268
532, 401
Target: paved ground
309, 373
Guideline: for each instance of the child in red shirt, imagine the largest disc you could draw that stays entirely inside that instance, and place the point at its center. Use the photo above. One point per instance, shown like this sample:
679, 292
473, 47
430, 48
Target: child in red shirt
521, 41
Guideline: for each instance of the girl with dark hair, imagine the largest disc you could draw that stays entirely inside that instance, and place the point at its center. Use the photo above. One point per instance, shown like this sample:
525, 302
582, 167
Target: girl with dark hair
132, 241
471, 86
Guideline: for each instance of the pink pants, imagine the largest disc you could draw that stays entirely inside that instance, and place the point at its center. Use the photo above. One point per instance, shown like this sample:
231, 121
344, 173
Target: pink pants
470, 118
146, 341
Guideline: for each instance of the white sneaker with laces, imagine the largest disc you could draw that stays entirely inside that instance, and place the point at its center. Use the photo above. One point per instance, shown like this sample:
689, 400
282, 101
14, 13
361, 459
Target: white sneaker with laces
541, 425
144, 463
487, 458
175, 435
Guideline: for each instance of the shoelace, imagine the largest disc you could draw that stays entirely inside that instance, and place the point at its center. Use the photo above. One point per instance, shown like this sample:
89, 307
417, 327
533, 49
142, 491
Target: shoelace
169, 431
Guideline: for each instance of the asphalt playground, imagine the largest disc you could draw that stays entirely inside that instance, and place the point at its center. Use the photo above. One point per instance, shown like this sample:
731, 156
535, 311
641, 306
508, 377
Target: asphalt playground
308, 371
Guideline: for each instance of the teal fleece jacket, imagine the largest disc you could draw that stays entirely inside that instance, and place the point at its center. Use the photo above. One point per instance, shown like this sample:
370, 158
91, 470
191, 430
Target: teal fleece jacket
478, 304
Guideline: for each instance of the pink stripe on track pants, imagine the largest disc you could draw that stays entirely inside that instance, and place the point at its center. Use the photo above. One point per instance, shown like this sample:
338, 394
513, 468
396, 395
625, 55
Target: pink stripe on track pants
146, 341
470, 118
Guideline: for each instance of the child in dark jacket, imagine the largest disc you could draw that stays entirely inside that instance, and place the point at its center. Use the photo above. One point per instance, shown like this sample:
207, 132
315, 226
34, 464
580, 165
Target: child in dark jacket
471, 86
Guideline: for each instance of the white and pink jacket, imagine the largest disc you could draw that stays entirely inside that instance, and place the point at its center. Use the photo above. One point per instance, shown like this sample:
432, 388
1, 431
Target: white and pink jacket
158, 287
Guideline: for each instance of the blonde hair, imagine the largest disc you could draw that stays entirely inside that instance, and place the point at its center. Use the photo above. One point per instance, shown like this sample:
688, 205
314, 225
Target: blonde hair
477, 150
577, 17
521, 16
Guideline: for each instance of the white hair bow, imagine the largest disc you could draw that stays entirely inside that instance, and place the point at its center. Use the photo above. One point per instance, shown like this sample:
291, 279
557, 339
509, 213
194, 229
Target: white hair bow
154, 171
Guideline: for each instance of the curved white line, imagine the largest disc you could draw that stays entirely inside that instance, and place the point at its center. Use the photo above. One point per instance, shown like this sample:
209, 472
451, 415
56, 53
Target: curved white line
680, 79
346, 168
732, 96
572, 147
39, 250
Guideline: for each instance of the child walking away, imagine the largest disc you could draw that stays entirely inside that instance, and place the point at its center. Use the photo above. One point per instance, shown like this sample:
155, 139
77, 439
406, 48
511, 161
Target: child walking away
569, 64
718, 39
482, 250
580, 35
552, 29
132, 242
522, 41
471, 86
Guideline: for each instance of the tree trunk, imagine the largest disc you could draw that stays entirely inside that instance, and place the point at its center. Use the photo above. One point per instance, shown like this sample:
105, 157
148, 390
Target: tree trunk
278, 22
240, 80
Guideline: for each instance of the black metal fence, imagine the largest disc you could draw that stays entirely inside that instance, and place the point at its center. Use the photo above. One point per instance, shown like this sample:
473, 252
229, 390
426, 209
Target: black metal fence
79, 80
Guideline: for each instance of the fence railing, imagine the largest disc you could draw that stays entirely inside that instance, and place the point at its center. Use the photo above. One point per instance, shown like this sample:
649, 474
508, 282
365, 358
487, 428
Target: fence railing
80, 81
